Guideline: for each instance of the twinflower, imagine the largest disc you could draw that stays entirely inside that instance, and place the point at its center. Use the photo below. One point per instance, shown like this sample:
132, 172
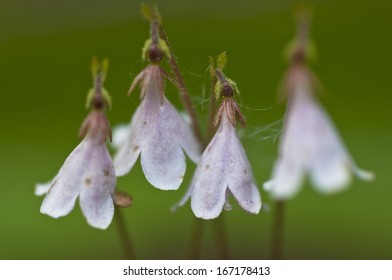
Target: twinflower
310, 143
156, 132
224, 169
88, 172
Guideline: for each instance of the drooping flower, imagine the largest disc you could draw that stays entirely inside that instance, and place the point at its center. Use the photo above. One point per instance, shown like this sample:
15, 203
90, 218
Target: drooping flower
87, 173
310, 143
223, 169
157, 132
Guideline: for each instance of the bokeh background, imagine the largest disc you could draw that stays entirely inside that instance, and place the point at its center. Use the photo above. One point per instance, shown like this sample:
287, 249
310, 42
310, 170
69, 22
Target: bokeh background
45, 53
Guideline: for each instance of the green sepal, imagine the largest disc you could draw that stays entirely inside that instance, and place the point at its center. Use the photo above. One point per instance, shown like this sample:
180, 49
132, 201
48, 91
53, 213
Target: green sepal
146, 11
104, 68
293, 45
233, 85
145, 49
161, 45
221, 61
218, 89
99, 68
107, 98
150, 12
164, 48
90, 96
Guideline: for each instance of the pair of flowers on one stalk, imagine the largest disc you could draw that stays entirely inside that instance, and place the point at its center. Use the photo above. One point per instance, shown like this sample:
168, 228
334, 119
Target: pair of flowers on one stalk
159, 135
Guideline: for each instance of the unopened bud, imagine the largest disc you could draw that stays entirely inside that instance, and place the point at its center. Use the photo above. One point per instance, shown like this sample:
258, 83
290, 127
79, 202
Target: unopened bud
122, 199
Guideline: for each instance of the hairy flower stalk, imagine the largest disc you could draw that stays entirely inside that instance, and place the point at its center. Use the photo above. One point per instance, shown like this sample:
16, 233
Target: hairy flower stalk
310, 143
157, 132
223, 169
88, 172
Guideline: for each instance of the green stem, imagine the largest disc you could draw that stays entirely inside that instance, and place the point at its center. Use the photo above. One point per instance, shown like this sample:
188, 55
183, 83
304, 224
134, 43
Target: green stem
277, 231
221, 237
123, 234
196, 239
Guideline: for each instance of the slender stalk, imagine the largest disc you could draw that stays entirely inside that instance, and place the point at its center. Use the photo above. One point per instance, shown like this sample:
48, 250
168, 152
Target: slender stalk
123, 234
196, 239
277, 231
221, 237
185, 97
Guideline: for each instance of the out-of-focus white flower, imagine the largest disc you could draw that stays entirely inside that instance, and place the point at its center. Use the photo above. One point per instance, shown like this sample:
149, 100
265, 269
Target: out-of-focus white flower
87, 173
156, 132
310, 144
223, 169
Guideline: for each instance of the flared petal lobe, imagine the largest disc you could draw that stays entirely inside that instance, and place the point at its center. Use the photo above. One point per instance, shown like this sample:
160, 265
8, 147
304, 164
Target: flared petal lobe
61, 197
159, 134
99, 181
87, 171
43, 188
223, 168
128, 149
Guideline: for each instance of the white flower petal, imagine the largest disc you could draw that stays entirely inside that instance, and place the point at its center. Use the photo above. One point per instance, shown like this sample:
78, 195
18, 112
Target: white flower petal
329, 164
61, 197
330, 172
248, 197
99, 182
120, 135
208, 200
240, 178
363, 174
189, 143
183, 200
163, 130
208, 185
128, 148
223, 166
163, 162
287, 179
43, 188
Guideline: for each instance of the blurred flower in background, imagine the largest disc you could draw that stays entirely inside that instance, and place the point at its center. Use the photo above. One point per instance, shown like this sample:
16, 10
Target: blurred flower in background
310, 143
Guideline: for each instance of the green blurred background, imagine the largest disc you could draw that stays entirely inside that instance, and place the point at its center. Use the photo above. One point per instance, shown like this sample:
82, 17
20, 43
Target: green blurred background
45, 53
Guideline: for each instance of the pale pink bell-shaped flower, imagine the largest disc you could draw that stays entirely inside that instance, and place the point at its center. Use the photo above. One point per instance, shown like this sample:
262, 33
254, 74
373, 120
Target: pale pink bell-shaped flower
158, 134
310, 144
87, 173
223, 170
